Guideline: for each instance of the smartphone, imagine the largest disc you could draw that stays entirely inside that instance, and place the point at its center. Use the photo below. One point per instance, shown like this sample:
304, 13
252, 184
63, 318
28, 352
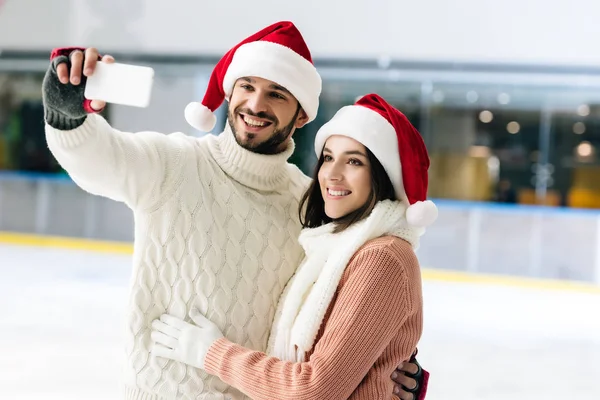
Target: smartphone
125, 84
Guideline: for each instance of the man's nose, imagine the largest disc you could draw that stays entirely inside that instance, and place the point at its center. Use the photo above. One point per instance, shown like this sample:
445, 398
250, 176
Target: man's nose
257, 103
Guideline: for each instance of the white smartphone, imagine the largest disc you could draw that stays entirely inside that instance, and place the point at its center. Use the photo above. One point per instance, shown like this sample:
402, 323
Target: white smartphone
117, 83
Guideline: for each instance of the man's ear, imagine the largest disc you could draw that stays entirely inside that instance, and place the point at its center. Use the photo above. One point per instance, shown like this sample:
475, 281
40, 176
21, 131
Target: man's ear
301, 120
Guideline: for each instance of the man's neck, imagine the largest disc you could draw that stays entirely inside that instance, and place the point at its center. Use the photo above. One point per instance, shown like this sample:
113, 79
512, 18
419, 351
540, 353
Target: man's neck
259, 171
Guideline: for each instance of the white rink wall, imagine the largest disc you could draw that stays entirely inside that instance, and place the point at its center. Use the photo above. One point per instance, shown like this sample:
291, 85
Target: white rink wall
476, 237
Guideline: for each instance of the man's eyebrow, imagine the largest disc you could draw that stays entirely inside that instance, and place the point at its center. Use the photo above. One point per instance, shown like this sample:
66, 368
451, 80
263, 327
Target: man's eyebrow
280, 88
273, 86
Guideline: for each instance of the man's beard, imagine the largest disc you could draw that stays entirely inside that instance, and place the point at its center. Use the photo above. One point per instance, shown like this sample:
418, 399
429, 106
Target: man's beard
273, 143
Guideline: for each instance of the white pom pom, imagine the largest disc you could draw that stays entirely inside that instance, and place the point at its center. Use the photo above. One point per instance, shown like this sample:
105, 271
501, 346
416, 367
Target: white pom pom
421, 213
200, 117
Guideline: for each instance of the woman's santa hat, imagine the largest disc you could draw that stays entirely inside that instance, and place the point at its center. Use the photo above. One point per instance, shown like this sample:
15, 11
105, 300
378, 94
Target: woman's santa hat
277, 53
396, 143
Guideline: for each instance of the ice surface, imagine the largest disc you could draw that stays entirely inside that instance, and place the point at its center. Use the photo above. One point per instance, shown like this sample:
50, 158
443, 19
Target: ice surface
63, 318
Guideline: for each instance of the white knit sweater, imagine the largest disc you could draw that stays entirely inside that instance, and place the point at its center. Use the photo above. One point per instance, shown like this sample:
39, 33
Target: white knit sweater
216, 228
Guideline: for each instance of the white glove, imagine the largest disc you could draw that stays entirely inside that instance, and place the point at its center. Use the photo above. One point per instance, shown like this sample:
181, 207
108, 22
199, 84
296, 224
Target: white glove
181, 341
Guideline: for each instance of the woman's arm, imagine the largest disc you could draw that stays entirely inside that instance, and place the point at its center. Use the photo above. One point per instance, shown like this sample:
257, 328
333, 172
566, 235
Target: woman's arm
370, 307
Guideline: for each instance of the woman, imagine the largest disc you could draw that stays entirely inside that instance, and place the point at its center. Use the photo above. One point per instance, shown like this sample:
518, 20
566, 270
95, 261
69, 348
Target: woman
353, 310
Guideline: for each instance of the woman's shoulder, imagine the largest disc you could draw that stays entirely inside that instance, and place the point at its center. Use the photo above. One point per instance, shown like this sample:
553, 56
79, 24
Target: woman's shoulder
385, 251
388, 246
387, 257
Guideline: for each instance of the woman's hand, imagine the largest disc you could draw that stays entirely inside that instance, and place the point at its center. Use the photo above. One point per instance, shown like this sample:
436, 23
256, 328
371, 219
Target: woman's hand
181, 341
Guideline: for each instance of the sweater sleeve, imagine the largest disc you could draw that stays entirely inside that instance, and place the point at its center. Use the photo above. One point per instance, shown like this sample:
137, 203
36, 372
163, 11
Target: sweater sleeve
370, 308
137, 169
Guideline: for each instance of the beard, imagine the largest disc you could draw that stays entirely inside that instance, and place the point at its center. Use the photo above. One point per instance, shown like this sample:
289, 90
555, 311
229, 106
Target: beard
273, 143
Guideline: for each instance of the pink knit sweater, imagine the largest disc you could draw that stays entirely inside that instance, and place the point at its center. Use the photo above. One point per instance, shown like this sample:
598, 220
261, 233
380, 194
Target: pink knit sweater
373, 323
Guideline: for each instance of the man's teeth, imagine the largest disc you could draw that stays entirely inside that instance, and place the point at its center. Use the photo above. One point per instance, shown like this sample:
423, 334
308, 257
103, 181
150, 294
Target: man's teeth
338, 192
253, 122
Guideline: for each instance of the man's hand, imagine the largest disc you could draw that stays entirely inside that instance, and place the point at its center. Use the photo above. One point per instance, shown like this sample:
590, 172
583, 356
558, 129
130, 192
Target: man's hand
82, 64
410, 381
65, 106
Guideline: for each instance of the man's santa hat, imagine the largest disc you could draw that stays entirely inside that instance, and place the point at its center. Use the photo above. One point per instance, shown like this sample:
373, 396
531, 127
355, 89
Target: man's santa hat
277, 53
396, 143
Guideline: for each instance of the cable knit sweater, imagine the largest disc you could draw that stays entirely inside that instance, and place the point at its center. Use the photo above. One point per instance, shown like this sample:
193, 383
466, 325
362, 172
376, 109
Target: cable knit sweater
373, 323
216, 228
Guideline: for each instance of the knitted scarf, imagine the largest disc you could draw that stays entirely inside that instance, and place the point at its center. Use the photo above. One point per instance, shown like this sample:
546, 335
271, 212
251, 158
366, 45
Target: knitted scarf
307, 296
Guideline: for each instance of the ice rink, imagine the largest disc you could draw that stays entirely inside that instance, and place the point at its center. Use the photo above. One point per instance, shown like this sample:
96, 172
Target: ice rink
62, 319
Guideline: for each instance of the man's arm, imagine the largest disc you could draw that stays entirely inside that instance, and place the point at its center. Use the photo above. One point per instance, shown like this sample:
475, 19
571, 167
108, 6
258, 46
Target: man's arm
137, 169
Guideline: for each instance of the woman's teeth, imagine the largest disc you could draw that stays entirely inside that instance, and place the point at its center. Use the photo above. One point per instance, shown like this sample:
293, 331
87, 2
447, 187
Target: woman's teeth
338, 192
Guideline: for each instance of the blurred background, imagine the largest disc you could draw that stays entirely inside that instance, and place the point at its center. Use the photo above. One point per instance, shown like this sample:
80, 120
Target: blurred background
506, 96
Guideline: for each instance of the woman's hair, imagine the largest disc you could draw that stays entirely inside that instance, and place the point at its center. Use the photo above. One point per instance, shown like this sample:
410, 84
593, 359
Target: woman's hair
314, 206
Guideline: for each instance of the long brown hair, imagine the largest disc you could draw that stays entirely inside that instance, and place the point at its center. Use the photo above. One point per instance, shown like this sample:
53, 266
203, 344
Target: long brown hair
312, 206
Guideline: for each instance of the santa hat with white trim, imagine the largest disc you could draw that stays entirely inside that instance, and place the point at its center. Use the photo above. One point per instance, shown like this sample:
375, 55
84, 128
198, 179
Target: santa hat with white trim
396, 143
277, 53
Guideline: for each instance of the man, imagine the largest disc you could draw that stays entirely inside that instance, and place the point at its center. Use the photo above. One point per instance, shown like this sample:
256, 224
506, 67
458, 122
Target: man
216, 218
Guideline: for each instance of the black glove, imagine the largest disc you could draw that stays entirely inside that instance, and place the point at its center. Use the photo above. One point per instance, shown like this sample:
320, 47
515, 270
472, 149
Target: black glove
65, 106
422, 378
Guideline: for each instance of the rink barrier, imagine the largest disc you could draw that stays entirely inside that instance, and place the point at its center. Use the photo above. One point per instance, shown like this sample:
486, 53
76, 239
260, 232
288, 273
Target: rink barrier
428, 274
556, 243
98, 246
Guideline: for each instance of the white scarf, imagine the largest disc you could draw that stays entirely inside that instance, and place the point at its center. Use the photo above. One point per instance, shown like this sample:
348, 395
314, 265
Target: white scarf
307, 296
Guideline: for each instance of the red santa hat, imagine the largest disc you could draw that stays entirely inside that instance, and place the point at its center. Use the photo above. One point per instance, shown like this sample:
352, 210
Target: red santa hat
396, 143
277, 53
